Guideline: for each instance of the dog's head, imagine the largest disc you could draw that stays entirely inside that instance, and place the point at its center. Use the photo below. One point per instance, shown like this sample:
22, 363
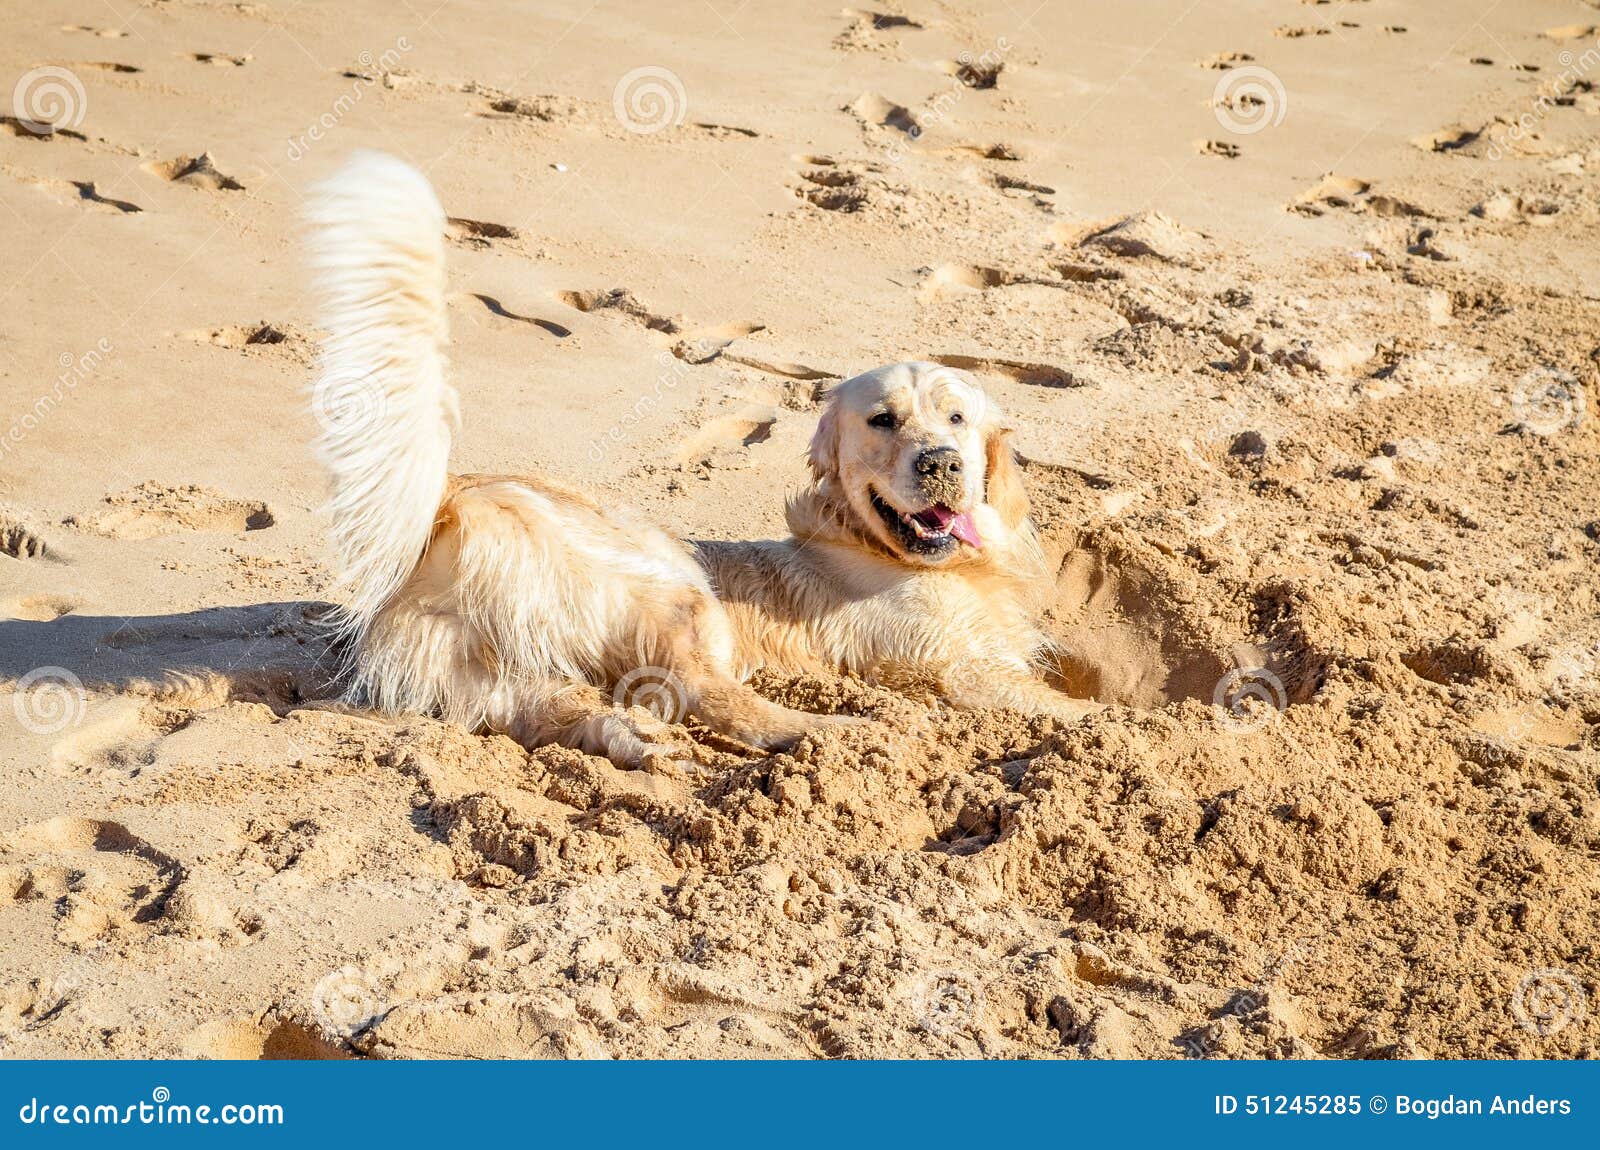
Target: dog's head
914, 458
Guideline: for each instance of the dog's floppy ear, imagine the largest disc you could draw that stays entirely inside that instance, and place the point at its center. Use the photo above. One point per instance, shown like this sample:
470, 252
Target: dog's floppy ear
824, 450
1003, 488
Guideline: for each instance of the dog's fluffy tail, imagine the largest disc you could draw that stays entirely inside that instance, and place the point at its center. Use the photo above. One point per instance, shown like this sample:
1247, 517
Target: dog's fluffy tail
383, 405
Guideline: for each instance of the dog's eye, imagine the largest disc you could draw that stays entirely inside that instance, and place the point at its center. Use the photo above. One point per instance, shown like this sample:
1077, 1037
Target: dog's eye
957, 417
884, 419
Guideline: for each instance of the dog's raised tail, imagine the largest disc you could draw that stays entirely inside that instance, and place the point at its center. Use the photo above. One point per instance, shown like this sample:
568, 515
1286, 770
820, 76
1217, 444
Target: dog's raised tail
383, 406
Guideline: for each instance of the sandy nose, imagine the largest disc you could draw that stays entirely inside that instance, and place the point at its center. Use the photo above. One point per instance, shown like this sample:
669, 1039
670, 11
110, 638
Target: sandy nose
939, 464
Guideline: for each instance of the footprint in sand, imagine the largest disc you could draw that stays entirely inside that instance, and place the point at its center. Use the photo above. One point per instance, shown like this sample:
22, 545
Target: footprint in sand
695, 344
89, 193
959, 279
726, 131
1332, 191
1351, 194
260, 1037
1222, 61
868, 31
195, 171
954, 279
833, 189
89, 30
501, 312
247, 336
1505, 207
1222, 148
218, 59
28, 130
1450, 139
1017, 187
1296, 32
704, 344
480, 234
1145, 235
152, 509
785, 369
103, 882
82, 192
107, 66
1016, 370
622, 302
119, 739
544, 109
19, 541
724, 441
879, 112
36, 608
975, 72
1006, 152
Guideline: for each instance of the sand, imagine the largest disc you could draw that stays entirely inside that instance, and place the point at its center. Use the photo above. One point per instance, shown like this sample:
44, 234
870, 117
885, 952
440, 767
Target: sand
1295, 308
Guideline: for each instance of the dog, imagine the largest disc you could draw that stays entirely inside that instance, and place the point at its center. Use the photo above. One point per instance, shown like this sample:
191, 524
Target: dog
514, 604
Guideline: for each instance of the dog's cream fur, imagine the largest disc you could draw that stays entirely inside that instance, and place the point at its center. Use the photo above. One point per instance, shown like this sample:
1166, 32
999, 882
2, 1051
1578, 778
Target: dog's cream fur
515, 604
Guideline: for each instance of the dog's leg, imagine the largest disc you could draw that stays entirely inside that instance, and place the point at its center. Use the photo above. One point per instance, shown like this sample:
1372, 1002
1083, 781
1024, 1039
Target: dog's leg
731, 708
977, 687
587, 719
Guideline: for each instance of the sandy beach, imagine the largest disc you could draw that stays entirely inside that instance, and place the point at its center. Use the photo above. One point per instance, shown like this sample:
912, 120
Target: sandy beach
1295, 307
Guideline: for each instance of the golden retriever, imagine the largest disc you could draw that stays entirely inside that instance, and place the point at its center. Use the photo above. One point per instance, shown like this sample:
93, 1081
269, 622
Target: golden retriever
514, 604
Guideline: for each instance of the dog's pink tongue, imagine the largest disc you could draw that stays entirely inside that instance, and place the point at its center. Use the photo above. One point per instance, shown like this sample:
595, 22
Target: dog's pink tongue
964, 529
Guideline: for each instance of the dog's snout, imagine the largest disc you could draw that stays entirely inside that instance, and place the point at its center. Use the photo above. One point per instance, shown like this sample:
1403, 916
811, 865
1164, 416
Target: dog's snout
939, 463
